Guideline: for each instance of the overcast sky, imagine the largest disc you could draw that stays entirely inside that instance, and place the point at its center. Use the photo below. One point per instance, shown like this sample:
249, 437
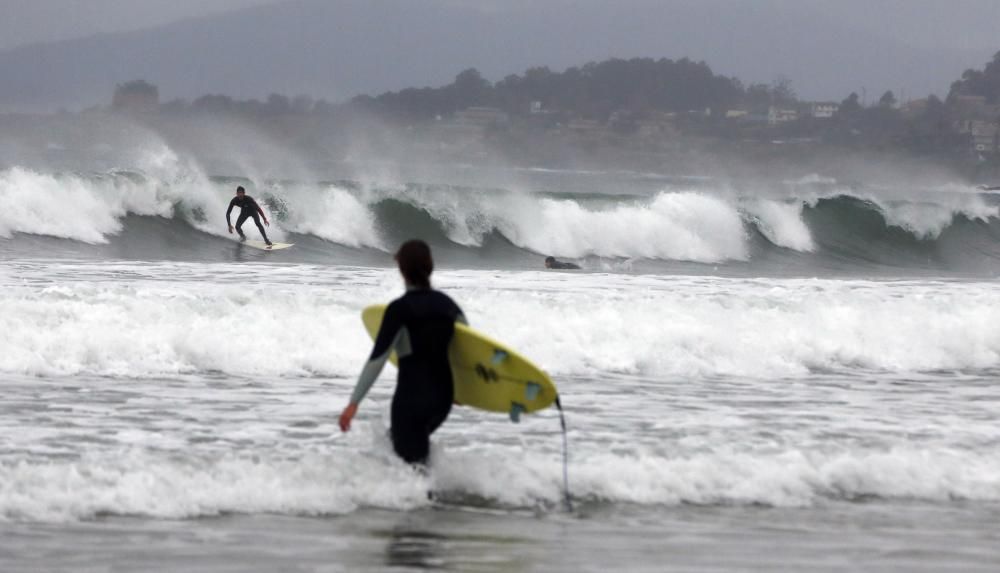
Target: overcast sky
31, 21
338, 48
966, 24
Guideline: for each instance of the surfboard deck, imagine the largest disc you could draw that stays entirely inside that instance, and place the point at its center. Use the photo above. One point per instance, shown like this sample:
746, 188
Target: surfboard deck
487, 374
263, 246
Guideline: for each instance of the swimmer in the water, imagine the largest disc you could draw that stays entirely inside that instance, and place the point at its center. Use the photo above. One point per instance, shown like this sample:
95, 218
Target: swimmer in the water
552, 263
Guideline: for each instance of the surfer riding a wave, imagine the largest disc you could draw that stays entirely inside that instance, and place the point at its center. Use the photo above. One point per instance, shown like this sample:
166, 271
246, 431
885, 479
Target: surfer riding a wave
248, 208
419, 326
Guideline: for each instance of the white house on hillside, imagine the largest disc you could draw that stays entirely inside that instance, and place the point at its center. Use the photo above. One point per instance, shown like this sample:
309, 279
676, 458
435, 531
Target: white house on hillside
777, 115
823, 109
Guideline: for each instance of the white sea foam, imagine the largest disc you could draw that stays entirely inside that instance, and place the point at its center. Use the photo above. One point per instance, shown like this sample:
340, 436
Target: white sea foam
782, 223
781, 478
144, 483
660, 326
706, 327
671, 225
334, 214
138, 483
150, 330
686, 226
71, 207
90, 208
813, 179
700, 226
213, 404
927, 220
465, 216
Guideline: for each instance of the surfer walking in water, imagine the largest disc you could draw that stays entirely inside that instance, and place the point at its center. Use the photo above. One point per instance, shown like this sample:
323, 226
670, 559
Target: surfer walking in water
248, 208
419, 326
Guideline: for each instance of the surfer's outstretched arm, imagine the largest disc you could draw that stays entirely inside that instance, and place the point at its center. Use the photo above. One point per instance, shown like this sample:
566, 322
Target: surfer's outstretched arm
229, 221
388, 334
262, 215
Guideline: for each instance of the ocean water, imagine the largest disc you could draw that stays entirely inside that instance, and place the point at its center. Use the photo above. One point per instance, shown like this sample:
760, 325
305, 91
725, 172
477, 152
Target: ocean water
796, 377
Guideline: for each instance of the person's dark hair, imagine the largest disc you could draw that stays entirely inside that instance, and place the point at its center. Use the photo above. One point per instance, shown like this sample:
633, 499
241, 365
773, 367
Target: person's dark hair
415, 262
240, 189
550, 259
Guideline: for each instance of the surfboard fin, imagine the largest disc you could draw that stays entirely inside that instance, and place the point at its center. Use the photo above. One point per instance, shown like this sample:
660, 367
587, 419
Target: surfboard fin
531, 391
515, 411
498, 357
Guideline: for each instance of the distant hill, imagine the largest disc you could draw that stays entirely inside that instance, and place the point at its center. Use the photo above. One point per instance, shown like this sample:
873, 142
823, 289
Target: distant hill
339, 48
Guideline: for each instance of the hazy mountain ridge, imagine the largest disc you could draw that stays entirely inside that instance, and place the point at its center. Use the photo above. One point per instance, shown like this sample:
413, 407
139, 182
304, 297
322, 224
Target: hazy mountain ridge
325, 48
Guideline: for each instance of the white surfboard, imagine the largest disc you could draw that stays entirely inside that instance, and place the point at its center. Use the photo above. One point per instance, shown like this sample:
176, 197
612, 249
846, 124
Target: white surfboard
264, 246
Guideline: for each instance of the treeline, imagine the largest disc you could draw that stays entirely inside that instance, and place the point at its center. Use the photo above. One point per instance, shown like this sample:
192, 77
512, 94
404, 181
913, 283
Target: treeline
274, 105
928, 129
140, 95
593, 91
637, 87
931, 125
985, 82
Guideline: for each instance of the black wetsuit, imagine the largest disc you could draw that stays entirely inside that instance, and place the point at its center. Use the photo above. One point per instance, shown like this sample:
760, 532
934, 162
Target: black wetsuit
248, 208
563, 266
419, 326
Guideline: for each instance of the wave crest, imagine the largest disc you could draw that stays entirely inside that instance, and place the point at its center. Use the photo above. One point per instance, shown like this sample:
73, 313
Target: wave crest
673, 225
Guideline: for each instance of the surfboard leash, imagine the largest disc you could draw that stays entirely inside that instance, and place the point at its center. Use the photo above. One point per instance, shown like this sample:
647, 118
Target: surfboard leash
562, 422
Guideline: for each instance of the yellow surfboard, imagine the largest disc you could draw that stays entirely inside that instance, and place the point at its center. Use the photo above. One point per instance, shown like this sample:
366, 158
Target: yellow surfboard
487, 374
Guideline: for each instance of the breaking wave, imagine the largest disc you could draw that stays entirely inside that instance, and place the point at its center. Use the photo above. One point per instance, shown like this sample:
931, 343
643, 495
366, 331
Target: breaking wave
140, 483
696, 225
678, 327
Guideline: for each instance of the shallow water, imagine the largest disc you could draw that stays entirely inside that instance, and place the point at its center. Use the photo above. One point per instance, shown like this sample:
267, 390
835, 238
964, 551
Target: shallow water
842, 537
181, 416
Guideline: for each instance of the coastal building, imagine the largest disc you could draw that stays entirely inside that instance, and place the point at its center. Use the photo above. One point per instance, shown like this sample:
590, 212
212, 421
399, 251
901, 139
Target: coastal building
584, 125
758, 116
969, 102
776, 115
976, 107
580, 131
481, 117
913, 108
984, 136
657, 125
469, 126
621, 116
823, 109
